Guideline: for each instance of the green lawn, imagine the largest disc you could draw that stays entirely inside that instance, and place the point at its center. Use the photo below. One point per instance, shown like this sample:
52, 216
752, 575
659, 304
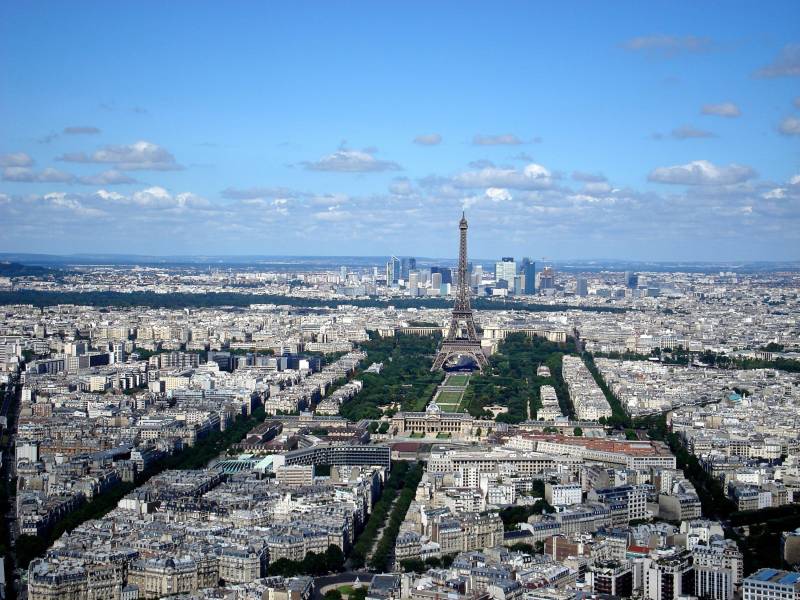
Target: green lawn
459, 380
448, 398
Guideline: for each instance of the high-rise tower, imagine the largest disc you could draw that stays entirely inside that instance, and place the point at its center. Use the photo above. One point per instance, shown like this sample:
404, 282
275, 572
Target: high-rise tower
462, 339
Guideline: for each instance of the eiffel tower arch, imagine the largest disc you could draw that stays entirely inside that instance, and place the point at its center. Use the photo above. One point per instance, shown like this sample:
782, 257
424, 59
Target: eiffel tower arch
462, 338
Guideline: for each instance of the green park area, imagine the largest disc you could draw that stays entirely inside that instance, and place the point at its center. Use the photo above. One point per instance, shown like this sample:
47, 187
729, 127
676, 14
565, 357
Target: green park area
511, 378
405, 379
406, 382
447, 399
457, 380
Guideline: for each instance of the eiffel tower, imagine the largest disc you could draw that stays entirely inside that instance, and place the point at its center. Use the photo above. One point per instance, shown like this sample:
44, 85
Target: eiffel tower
462, 339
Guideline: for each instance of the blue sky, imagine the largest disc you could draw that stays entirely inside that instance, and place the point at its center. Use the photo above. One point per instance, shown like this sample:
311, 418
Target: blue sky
571, 130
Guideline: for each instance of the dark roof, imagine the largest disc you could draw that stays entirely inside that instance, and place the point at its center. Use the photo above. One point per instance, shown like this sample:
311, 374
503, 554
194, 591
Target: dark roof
406, 446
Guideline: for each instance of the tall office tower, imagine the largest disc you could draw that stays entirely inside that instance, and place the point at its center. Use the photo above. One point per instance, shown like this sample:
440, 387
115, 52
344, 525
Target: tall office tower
519, 284
436, 280
506, 270
529, 272
413, 283
407, 264
631, 280
547, 279
445, 272
581, 287
342, 274
477, 275
396, 269
392, 270
118, 348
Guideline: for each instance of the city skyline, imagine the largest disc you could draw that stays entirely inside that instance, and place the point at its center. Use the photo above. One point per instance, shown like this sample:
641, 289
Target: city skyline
320, 130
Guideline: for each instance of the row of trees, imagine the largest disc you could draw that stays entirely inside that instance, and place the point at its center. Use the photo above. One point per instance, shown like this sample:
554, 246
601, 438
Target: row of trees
512, 516
217, 299
359, 593
375, 427
330, 561
380, 511
512, 381
416, 565
619, 417
406, 377
383, 555
682, 356
761, 546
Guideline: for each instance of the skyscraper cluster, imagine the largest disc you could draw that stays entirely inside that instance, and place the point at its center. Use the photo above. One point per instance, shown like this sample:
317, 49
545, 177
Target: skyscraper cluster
517, 279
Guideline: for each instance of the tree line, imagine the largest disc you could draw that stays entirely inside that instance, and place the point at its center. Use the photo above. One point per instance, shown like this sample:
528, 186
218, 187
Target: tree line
383, 556
42, 298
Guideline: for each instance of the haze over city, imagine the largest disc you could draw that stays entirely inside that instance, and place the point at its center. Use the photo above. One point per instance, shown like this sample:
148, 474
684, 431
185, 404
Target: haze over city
645, 131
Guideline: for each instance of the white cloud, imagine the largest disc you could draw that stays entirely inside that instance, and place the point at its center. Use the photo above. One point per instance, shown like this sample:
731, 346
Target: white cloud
18, 159
702, 172
26, 175
790, 126
667, 45
50, 175
532, 177
401, 187
588, 177
786, 64
333, 214
688, 132
597, 188
503, 139
724, 109
155, 197
775, 194
351, 161
253, 193
139, 156
61, 200
498, 194
110, 177
428, 139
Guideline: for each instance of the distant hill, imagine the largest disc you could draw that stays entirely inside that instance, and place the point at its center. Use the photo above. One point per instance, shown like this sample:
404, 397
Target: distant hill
14, 269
